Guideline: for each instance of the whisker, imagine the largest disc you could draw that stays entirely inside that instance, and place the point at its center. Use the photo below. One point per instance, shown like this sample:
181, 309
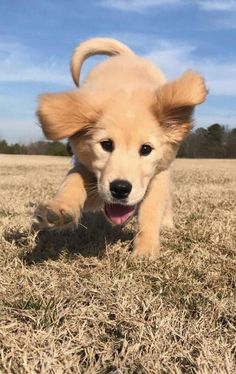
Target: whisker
80, 224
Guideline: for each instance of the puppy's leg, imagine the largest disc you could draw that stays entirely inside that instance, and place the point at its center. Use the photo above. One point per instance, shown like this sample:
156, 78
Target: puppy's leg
64, 210
150, 216
168, 222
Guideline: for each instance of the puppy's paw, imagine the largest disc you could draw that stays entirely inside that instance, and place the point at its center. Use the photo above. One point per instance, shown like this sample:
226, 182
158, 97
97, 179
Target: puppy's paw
146, 249
168, 223
53, 215
151, 254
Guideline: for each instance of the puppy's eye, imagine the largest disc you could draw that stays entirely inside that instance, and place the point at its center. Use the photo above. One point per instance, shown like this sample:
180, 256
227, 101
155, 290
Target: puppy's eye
145, 150
107, 145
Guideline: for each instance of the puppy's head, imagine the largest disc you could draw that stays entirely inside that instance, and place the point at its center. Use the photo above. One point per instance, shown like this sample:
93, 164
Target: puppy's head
124, 137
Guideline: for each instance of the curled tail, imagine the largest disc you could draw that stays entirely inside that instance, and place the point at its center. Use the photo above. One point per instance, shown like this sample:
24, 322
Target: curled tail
95, 46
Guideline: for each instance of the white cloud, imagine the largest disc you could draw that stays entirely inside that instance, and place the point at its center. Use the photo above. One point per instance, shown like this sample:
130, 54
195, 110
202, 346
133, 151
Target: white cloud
140, 5
222, 117
224, 13
208, 114
136, 5
172, 58
22, 130
175, 58
224, 10
226, 22
20, 64
217, 5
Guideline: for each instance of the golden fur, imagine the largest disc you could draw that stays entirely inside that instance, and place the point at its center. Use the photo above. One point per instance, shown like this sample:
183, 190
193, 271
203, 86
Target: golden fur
127, 101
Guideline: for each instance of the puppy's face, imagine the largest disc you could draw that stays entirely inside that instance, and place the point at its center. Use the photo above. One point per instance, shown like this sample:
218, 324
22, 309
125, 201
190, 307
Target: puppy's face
123, 149
125, 138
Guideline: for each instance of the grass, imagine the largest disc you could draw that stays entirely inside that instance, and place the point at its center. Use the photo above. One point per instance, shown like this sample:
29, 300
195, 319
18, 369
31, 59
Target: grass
77, 302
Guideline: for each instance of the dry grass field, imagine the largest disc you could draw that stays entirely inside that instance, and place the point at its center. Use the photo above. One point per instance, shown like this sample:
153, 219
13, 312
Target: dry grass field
77, 302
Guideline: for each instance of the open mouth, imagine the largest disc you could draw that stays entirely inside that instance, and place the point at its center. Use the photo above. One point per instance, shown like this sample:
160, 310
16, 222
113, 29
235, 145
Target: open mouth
119, 214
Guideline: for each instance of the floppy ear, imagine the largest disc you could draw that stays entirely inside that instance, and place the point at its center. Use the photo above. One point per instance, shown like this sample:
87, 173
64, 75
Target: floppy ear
176, 102
63, 114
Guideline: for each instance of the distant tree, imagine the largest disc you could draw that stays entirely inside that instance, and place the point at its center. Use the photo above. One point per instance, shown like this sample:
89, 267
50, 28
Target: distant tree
57, 149
187, 148
215, 141
230, 149
38, 148
17, 149
3, 146
194, 145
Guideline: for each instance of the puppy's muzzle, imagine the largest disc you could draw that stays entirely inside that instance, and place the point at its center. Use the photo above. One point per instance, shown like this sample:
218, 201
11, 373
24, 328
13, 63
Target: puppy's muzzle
120, 189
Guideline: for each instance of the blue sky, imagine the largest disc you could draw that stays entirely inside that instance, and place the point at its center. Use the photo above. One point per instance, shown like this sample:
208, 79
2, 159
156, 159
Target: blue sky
37, 38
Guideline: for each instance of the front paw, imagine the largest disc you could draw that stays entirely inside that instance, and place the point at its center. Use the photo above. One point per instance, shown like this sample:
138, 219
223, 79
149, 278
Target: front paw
168, 223
146, 249
54, 214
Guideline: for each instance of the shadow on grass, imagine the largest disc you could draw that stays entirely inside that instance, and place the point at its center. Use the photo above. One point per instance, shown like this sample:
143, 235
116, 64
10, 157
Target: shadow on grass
89, 240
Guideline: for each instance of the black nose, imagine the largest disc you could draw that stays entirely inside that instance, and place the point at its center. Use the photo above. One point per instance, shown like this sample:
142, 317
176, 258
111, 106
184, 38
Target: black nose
120, 189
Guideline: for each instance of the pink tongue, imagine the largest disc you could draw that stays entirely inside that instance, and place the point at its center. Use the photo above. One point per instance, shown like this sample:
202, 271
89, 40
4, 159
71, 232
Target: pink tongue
118, 214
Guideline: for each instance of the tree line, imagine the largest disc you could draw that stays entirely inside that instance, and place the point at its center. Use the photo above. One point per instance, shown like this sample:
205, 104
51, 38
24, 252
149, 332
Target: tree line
216, 141
35, 148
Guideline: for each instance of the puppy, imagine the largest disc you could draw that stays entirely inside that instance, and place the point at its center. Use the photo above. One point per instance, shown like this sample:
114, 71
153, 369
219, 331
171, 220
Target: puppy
124, 124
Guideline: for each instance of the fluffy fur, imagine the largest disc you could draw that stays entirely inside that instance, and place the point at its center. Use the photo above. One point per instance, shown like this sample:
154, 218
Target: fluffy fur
124, 100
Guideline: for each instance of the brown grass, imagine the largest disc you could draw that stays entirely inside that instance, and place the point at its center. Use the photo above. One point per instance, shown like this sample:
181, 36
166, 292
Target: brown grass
76, 302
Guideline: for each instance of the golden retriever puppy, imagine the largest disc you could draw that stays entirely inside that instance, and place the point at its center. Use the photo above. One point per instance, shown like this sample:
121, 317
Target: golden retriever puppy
125, 124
